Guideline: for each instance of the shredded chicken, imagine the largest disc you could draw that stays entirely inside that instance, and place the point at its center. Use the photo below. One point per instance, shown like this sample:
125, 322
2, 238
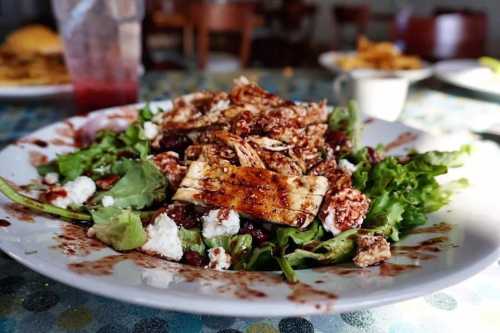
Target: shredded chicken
170, 165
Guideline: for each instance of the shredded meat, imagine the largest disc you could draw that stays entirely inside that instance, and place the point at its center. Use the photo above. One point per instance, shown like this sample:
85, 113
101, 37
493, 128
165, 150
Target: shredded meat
170, 165
372, 249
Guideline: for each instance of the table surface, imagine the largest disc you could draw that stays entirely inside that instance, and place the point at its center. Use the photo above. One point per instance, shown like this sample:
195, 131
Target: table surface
30, 302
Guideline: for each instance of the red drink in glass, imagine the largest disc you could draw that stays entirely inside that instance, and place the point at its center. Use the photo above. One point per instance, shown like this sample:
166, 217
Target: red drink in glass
94, 95
102, 48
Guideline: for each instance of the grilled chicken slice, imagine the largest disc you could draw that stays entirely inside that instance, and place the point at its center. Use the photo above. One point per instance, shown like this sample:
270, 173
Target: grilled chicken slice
255, 192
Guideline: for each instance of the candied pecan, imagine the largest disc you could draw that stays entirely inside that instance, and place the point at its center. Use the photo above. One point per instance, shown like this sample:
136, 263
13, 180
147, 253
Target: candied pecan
343, 210
168, 163
338, 179
371, 250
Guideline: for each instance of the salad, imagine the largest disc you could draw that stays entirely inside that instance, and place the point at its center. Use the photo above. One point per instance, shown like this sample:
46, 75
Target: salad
243, 180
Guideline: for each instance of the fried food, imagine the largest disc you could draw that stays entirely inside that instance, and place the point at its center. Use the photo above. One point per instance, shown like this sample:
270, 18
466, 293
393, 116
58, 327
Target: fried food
32, 55
382, 55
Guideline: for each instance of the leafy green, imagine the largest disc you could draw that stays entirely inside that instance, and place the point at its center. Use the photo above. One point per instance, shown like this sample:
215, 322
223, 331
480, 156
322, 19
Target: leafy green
134, 138
142, 185
238, 246
297, 236
191, 240
403, 192
337, 249
346, 119
262, 258
121, 229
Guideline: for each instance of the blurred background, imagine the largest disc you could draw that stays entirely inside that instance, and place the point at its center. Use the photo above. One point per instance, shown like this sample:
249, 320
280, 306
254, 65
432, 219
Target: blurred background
184, 34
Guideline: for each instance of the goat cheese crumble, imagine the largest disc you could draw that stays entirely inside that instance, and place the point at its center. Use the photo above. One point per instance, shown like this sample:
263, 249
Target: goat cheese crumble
163, 238
151, 130
219, 259
51, 178
347, 166
77, 192
221, 222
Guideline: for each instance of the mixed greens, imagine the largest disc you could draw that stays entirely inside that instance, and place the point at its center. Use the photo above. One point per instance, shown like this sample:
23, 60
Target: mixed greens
401, 191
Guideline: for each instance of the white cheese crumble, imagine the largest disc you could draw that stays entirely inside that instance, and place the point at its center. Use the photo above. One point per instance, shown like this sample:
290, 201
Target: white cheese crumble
219, 259
78, 191
220, 222
107, 201
91, 232
163, 238
51, 178
150, 130
347, 166
329, 222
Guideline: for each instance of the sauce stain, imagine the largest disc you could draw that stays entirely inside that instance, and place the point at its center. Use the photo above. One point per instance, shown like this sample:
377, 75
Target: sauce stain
303, 293
19, 212
424, 250
73, 241
390, 270
4, 223
402, 139
437, 228
37, 158
36, 142
61, 142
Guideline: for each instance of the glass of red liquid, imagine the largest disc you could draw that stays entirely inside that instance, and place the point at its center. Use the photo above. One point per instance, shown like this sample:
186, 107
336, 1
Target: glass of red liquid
102, 50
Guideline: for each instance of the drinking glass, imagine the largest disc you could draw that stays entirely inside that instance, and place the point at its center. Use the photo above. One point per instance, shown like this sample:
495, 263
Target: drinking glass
102, 50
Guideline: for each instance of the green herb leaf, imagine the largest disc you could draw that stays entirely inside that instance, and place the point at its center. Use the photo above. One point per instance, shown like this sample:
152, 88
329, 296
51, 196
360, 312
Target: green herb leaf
191, 240
142, 185
122, 230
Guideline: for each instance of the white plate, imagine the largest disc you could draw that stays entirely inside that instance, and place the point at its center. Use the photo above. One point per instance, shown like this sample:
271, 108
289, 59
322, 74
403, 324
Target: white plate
329, 61
34, 91
76, 261
469, 74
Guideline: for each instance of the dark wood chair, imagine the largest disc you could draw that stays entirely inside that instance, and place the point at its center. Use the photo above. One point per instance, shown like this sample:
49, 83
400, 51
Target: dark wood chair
223, 18
355, 15
166, 18
444, 36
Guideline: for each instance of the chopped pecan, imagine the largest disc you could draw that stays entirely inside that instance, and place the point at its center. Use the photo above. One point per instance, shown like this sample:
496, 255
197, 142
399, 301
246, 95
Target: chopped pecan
343, 210
170, 165
371, 250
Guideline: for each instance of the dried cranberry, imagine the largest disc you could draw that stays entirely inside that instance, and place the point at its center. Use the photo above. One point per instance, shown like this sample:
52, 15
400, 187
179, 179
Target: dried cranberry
259, 235
339, 141
107, 182
193, 258
183, 215
175, 142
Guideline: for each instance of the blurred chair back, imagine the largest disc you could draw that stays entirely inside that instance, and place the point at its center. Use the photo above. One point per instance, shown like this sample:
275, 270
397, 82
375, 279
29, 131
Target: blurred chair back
444, 36
356, 15
222, 17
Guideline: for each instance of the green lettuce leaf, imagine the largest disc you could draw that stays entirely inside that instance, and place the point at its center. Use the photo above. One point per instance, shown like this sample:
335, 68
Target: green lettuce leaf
192, 240
238, 246
142, 185
262, 258
346, 119
299, 237
121, 229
